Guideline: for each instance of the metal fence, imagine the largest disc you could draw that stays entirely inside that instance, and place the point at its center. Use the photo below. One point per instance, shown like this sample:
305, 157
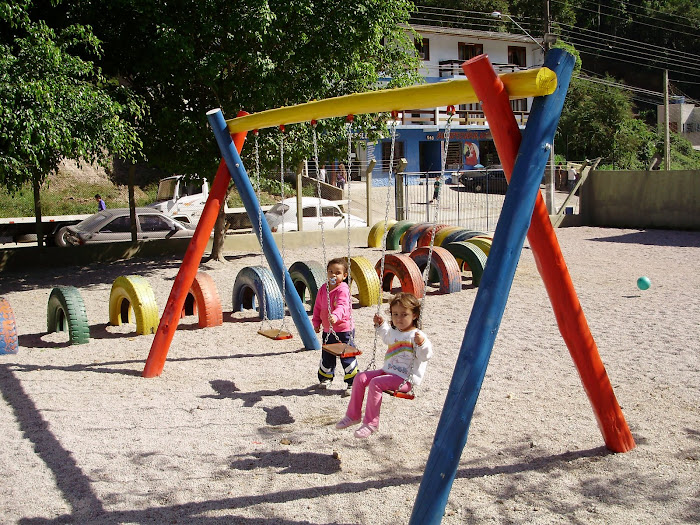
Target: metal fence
471, 199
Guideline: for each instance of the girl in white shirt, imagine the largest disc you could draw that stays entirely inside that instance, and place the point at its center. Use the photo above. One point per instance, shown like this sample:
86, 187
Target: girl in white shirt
404, 364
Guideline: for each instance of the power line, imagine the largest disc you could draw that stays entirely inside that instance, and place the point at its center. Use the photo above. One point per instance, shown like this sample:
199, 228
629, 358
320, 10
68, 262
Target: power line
608, 37
646, 57
631, 20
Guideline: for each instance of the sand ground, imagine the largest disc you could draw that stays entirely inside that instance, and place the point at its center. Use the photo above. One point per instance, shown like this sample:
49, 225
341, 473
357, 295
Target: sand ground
234, 430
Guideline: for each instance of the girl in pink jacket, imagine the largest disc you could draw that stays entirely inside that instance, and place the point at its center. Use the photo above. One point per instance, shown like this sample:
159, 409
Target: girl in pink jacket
337, 322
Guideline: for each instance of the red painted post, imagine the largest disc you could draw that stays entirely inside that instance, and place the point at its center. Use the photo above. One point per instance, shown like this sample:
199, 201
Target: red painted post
188, 268
550, 263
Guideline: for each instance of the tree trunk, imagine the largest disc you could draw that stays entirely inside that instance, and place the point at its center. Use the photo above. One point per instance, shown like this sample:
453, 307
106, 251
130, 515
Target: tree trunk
132, 203
37, 210
217, 249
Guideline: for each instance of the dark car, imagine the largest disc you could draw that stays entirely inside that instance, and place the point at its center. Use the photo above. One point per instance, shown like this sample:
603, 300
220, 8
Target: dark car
485, 181
114, 225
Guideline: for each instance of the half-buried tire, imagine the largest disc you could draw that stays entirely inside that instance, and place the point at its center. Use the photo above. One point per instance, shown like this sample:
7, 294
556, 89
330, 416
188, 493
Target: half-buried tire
203, 300
248, 289
368, 285
410, 238
440, 236
473, 258
444, 264
393, 238
376, 233
307, 276
424, 239
132, 300
9, 343
457, 236
405, 270
65, 312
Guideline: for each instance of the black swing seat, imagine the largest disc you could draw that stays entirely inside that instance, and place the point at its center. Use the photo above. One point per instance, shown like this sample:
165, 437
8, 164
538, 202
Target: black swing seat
341, 350
277, 335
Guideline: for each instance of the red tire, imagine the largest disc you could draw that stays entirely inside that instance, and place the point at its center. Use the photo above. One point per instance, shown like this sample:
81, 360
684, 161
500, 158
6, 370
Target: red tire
424, 239
444, 264
405, 269
203, 300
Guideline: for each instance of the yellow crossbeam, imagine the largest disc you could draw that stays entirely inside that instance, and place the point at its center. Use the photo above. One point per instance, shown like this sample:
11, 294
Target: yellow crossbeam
521, 84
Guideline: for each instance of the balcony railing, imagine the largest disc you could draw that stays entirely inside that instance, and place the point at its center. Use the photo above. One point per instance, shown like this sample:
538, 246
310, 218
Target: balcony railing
451, 68
439, 116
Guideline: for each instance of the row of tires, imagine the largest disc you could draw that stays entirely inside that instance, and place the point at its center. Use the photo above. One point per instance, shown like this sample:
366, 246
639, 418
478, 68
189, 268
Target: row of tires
131, 300
255, 285
470, 248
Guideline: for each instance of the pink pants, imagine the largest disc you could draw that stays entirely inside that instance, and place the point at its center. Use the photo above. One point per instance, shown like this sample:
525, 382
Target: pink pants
375, 381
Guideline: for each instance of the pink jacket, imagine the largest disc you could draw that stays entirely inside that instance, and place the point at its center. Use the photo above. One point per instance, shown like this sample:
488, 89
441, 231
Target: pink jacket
341, 308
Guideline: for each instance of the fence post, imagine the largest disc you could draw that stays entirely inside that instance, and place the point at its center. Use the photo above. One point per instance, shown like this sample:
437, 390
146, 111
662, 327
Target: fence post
300, 187
398, 190
427, 197
368, 179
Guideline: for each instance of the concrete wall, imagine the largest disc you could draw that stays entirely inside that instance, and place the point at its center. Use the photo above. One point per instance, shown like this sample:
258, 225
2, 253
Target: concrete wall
641, 199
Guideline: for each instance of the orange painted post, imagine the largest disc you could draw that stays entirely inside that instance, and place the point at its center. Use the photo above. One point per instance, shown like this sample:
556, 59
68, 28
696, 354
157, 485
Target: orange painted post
188, 268
550, 263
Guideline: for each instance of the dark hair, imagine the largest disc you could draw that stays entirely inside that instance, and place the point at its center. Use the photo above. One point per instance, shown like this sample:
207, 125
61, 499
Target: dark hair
342, 261
97, 196
409, 302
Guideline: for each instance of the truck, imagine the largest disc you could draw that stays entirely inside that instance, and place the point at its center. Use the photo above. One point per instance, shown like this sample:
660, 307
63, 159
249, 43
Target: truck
178, 196
183, 199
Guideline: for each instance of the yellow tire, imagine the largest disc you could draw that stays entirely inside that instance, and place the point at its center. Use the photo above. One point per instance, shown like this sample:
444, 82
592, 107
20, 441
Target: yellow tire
376, 234
481, 242
364, 274
132, 300
440, 235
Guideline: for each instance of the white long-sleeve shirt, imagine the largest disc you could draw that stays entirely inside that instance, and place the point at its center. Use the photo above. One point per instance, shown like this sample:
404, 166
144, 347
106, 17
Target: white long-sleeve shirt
401, 347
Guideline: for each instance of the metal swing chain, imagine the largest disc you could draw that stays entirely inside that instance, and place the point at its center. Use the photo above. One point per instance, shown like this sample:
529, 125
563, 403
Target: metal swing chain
323, 234
284, 264
348, 179
394, 115
260, 236
348, 176
426, 270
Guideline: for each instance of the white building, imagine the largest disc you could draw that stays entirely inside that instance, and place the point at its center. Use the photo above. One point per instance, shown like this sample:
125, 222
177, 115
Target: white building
420, 130
683, 119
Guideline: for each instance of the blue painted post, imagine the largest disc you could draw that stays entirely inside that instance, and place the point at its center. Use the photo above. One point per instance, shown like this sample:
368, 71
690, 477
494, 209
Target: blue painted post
490, 302
252, 207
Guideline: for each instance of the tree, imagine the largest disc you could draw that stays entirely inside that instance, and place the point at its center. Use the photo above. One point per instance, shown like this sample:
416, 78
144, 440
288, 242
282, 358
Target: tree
188, 56
54, 104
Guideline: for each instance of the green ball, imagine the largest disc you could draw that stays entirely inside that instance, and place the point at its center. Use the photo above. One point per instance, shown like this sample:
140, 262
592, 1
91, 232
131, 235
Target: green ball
643, 283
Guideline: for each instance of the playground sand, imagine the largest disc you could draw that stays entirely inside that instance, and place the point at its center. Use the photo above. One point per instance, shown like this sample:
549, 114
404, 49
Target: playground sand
234, 430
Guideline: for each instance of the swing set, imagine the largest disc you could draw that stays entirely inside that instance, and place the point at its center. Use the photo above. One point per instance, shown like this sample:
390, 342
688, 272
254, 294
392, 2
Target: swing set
526, 163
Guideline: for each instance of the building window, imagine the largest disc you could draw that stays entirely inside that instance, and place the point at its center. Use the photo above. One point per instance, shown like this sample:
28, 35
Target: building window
386, 154
454, 156
423, 48
467, 51
519, 104
516, 56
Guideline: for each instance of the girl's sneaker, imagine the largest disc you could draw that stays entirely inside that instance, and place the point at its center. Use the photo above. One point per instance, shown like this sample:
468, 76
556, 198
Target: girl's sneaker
346, 422
365, 431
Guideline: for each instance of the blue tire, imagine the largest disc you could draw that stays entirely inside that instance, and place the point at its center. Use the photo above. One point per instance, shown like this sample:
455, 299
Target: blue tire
252, 282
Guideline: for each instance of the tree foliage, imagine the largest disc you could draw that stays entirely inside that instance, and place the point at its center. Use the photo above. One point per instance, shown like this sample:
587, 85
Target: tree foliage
54, 103
189, 56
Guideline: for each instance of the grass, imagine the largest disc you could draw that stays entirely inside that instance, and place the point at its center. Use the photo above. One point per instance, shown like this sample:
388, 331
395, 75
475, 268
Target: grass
76, 198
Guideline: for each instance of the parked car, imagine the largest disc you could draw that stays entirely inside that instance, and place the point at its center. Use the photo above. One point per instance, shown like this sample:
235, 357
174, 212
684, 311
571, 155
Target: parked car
113, 225
485, 180
312, 207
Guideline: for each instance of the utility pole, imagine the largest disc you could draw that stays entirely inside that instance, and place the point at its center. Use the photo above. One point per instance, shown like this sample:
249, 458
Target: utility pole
667, 125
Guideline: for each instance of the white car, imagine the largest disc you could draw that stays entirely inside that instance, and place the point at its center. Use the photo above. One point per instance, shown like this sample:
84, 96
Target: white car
312, 208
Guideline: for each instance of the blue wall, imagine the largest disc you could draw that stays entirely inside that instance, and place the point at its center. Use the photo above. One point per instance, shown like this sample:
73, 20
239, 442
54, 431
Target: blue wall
412, 139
